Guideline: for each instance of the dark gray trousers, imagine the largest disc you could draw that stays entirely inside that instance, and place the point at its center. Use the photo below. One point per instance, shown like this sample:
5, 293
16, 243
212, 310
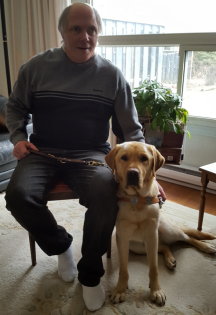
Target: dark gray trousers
26, 195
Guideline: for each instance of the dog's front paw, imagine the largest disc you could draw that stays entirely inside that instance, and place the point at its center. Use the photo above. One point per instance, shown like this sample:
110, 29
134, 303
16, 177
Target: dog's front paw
158, 297
118, 294
171, 263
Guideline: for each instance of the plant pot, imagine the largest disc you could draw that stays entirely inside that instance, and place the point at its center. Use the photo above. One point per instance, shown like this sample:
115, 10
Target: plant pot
153, 137
168, 144
172, 139
171, 155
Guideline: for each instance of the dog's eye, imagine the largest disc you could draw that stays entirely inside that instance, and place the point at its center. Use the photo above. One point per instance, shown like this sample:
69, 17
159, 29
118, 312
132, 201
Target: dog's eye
144, 158
124, 158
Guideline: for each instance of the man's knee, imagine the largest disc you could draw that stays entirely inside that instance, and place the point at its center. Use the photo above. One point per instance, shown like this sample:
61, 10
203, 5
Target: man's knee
104, 186
15, 196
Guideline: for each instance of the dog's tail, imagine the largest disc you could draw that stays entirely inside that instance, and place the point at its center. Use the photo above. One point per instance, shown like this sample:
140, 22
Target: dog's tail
197, 234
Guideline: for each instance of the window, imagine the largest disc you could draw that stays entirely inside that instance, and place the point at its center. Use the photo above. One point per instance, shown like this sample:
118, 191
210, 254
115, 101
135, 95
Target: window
155, 17
199, 92
139, 63
171, 32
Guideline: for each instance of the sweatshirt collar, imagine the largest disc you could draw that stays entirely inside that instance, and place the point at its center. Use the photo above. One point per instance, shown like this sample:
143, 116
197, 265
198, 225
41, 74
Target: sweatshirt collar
86, 63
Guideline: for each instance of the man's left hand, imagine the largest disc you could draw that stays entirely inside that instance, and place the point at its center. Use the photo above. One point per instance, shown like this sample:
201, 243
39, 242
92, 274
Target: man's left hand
161, 192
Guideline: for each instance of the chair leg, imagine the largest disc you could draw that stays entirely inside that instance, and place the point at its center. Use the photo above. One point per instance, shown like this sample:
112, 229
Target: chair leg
32, 249
109, 248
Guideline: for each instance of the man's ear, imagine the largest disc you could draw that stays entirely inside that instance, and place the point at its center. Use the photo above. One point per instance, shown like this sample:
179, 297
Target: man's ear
158, 159
110, 158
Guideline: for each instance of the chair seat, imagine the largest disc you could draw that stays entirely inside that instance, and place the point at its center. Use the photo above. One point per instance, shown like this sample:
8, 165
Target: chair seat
61, 192
61, 186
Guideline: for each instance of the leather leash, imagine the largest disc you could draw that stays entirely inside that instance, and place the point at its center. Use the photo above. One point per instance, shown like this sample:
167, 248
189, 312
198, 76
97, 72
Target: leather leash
143, 200
134, 200
65, 160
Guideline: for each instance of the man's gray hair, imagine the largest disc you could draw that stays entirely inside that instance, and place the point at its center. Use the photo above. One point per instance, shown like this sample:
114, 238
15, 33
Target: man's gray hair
64, 16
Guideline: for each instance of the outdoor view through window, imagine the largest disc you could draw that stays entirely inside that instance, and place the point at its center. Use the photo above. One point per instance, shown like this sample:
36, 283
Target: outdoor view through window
185, 16
200, 86
162, 63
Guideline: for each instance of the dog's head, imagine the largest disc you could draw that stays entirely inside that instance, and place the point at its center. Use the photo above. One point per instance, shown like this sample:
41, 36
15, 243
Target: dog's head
134, 164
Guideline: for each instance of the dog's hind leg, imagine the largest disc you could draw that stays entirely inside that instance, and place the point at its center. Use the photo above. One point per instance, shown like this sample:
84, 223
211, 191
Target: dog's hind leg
168, 257
198, 234
204, 247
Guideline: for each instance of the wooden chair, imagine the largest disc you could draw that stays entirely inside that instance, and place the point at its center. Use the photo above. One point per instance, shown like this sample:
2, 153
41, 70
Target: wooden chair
60, 192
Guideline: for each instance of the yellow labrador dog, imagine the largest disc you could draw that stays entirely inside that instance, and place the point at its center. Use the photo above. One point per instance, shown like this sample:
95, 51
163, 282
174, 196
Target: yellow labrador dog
140, 226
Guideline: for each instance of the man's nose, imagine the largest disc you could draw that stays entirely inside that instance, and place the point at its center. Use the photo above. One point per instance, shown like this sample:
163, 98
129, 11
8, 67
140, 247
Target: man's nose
85, 35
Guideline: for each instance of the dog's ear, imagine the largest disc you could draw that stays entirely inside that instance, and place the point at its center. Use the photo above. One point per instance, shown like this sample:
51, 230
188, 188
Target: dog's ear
110, 158
158, 159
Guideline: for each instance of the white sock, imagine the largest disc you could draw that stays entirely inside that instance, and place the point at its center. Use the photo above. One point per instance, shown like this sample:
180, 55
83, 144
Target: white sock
67, 265
93, 297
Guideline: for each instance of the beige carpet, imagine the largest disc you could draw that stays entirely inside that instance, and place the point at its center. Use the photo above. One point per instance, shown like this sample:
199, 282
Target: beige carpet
27, 290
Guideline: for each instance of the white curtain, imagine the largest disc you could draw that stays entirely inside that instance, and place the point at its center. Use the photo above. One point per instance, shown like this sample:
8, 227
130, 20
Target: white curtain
32, 27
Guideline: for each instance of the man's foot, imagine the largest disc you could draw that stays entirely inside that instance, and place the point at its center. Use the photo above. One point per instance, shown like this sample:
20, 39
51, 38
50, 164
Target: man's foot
93, 297
67, 265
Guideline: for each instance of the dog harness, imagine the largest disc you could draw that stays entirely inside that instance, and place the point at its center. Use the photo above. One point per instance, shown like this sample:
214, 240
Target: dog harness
143, 200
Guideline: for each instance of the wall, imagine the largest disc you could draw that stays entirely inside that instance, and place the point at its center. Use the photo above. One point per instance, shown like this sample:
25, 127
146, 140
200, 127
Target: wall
201, 148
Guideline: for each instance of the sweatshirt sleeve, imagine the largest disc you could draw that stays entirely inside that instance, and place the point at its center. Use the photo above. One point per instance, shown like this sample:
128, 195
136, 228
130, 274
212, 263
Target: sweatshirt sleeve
125, 123
18, 107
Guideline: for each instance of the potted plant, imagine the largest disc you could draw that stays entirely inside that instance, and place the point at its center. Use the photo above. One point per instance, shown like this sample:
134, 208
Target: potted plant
160, 111
160, 106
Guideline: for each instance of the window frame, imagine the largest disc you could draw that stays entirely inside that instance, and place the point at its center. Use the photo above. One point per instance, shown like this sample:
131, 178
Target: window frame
185, 42
183, 49
158, 39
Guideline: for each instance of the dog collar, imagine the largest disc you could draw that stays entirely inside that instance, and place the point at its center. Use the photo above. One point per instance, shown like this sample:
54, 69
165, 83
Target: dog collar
143, 200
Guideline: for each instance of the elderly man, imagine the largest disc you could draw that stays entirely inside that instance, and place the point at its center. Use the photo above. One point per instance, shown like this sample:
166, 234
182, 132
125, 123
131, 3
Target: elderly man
73, 93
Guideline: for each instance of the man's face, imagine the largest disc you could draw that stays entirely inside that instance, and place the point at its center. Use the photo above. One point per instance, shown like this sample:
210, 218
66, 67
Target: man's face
81, 33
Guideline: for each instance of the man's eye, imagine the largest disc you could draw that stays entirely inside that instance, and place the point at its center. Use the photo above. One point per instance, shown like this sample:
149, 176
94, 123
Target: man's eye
124, 158
92, 30
143, 158
75, 29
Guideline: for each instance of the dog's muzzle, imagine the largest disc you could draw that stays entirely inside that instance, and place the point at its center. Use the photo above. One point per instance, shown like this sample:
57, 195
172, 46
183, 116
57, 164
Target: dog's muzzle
133, 177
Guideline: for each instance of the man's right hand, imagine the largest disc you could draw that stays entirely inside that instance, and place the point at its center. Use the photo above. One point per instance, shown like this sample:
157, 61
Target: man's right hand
21, 149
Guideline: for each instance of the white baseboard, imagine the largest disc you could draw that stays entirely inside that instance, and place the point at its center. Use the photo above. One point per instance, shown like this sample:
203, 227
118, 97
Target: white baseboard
184, 180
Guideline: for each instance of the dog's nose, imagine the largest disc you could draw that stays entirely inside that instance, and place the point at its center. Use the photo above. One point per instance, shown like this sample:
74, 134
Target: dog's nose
133, 177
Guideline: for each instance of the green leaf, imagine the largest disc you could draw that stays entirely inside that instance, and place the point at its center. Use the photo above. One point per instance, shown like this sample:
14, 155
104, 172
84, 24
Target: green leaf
154, 123
145, 95
177, 128
148, 109
177, 113
189, 134
160, 95
173, 115
155, 110
161, 123
184, 119
166, 126
162, 114
139, 106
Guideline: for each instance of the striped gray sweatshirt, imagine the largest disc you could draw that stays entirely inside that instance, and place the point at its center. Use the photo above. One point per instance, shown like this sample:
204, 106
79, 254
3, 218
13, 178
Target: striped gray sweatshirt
72, 103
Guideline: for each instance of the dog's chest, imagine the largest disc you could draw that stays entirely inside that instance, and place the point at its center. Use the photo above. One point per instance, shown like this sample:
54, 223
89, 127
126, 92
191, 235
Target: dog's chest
135, 213
133, 218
